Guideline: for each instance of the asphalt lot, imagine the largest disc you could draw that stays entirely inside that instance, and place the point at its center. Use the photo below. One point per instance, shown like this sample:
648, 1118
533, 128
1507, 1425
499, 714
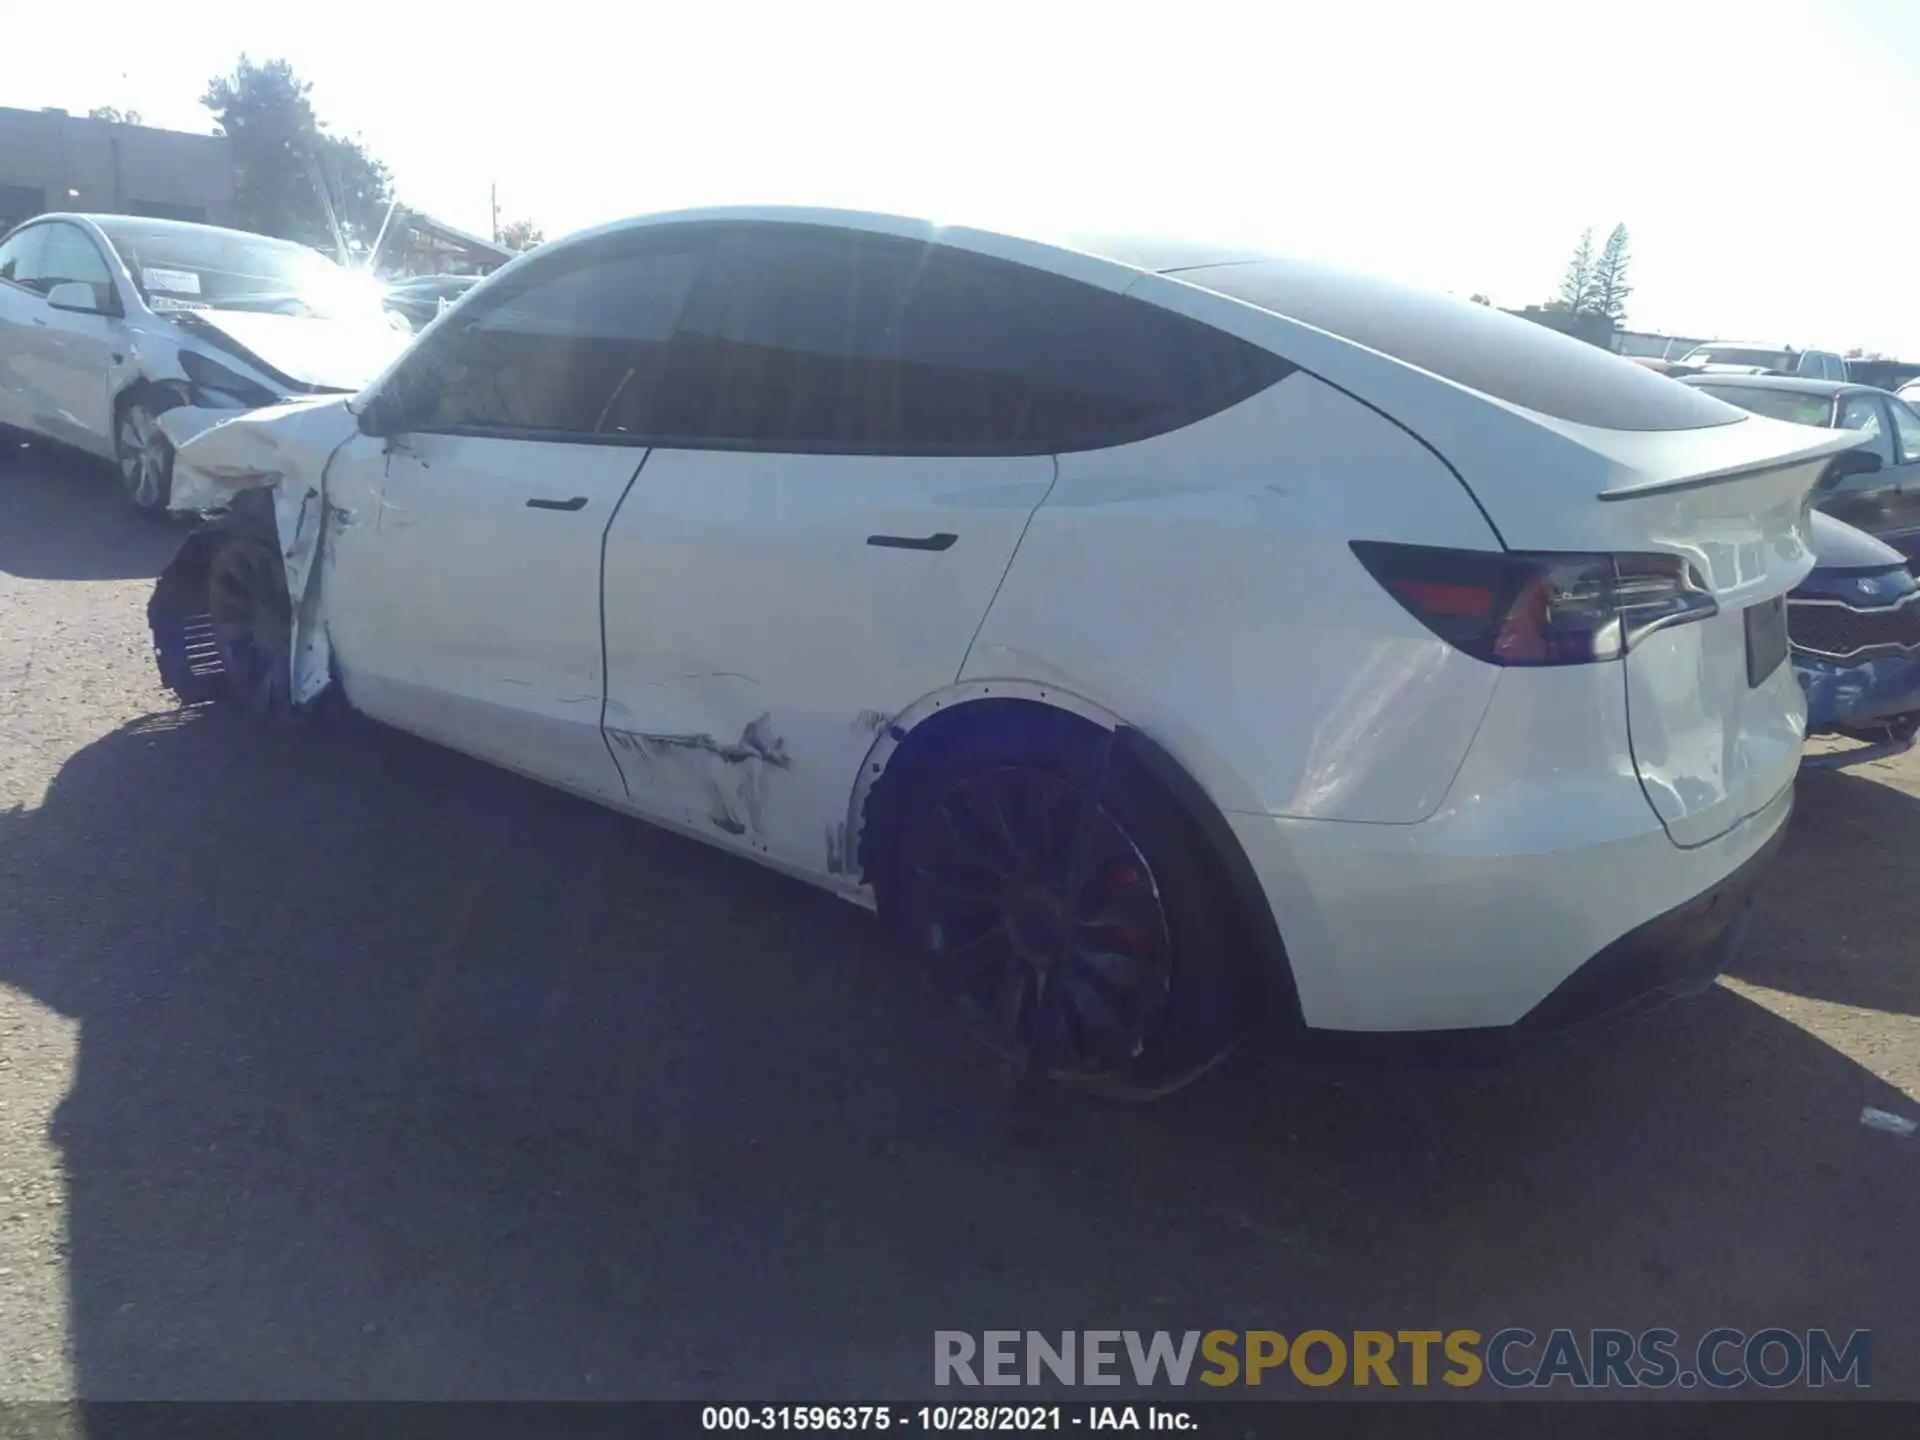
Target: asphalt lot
335, 1065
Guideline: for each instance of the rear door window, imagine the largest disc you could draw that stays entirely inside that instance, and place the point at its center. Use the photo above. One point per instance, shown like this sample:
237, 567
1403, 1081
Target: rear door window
808, 338
764, 352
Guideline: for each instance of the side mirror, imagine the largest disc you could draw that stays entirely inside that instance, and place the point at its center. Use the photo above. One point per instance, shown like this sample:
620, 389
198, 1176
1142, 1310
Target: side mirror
1849, 463
375, 415
77, 296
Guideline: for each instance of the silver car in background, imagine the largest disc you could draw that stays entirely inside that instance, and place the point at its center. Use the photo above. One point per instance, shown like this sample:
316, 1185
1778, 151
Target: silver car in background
123, 336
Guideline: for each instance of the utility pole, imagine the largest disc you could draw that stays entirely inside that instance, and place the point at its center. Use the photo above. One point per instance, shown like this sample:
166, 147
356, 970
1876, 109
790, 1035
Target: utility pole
326, 203
373, 255
493, 193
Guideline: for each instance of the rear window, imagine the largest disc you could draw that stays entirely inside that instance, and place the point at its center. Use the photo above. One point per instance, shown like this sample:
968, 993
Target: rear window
1794, 405
1740, 355
1476, 346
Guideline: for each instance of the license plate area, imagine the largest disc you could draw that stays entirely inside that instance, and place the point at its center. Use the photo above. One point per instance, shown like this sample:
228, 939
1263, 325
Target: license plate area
1766, 638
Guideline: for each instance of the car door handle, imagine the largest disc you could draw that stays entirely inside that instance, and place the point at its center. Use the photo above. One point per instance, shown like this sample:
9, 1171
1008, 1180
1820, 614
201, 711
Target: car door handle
942, 541
578, 502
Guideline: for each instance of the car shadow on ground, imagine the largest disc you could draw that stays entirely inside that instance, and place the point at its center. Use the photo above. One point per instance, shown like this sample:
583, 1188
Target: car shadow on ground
63, 516
399, 1076
1841, 916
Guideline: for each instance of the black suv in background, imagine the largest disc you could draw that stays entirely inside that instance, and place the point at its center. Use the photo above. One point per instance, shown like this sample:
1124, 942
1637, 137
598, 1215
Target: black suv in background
1881, 492
1855, 621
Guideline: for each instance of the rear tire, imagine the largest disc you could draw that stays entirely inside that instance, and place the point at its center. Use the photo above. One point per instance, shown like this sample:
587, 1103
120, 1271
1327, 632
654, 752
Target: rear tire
252, 623
1093, 943
144, 456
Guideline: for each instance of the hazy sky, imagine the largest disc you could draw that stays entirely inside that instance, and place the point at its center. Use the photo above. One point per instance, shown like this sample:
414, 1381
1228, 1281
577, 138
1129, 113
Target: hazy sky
1765, 154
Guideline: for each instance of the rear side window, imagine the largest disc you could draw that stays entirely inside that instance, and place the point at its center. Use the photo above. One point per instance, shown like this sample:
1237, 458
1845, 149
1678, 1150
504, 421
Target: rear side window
1001, 357
811, 338
574, 348
1794, 405
1906, 432
1476, 346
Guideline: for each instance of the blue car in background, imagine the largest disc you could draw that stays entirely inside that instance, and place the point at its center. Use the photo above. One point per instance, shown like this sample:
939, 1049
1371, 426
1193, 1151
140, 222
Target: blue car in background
1855, 628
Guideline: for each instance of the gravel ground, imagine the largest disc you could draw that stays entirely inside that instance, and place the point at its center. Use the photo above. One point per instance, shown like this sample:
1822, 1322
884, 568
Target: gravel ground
335, 1065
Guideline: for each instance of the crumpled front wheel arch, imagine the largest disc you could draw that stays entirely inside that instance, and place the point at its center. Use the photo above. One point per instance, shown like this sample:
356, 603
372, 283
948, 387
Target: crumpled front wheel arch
178, 616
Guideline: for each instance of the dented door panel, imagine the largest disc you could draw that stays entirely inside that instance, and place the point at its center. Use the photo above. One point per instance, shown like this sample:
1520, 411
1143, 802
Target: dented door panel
460, 611
767, 615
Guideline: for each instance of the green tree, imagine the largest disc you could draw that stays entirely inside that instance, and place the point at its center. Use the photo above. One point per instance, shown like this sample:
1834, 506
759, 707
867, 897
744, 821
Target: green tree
291, 178
1576, 285
119, 117
1610, 287
521, 235
1480, 299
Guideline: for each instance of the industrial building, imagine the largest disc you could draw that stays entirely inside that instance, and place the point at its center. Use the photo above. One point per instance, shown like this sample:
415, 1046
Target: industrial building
50, 160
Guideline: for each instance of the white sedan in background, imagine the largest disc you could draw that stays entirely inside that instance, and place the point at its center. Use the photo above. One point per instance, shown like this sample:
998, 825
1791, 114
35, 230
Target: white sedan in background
1159, 637
122, 335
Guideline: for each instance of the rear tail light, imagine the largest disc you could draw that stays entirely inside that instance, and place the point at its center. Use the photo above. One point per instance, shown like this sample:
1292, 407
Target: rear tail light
1533, 609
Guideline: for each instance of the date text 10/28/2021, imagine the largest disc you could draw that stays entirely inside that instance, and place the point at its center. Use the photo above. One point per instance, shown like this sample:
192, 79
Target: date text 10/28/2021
945, 1419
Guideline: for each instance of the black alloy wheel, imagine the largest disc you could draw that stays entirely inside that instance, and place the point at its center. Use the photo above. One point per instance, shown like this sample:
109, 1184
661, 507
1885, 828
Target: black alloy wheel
1039, 916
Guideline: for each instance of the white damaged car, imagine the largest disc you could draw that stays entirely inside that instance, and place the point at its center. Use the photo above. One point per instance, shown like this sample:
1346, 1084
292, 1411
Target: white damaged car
122, 336
1159, 637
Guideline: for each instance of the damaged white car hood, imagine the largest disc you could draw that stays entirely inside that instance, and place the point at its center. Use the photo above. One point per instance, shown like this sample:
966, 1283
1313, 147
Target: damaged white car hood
288, 448
322, 354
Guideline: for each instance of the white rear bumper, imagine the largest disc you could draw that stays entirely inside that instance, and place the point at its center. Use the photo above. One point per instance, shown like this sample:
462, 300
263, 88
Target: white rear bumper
1539, 858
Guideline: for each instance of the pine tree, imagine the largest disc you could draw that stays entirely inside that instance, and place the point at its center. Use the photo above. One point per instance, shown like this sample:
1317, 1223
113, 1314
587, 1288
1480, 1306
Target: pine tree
1610, 287
1576, 286
292, 178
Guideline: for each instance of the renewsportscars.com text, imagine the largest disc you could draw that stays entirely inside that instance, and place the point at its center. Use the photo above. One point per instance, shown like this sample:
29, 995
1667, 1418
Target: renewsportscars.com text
1512, 1358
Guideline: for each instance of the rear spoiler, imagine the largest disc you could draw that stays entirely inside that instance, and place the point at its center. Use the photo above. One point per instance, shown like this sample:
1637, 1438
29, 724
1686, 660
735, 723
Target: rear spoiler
1830, 443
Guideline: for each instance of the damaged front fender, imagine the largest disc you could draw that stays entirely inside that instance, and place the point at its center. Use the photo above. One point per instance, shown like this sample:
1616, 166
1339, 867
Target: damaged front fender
183, 423
283, 450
